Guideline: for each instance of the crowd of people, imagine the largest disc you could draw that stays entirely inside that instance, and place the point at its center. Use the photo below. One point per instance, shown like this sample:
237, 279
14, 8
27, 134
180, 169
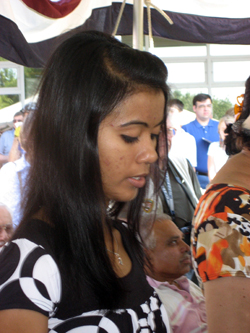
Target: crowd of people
116, 214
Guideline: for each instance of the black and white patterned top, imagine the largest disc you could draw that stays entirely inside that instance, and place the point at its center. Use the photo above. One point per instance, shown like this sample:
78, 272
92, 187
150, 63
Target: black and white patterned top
30, 279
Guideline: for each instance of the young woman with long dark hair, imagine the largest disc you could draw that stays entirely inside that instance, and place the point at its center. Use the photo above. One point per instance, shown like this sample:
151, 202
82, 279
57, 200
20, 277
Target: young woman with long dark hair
71, 264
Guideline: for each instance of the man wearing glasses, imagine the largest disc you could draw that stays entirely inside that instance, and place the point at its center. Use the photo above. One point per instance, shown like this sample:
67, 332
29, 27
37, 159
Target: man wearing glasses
7, 138
205, 130
6, 227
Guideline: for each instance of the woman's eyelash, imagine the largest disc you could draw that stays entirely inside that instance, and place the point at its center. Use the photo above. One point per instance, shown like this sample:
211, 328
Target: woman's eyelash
132, 139
154, 136
129, 139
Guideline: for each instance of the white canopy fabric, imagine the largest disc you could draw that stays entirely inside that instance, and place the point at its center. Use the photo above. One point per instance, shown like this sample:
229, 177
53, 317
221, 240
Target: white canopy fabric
30, 28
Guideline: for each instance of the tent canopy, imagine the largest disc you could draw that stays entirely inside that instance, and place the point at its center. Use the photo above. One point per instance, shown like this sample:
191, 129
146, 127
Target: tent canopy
30, 28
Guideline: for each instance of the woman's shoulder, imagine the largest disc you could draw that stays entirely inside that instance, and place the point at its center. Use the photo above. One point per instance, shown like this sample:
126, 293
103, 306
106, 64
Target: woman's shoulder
32, 237
22, 254
235, 171
225, 188
223, 191
222, 198
36, 231
29, 276
223, 210
221, 233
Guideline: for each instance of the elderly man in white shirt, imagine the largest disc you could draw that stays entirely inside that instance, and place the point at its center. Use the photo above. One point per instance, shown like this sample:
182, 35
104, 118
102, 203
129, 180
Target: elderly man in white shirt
168, 259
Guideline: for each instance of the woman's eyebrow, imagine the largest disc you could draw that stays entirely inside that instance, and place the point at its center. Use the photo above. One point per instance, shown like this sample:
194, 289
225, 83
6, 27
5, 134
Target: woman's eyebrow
138, 122
135, 122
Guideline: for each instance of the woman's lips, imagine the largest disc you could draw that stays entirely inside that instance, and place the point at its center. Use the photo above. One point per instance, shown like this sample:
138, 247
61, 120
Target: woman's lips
138, 181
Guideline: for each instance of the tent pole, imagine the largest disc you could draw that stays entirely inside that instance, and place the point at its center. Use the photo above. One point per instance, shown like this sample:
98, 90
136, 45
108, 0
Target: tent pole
138, 24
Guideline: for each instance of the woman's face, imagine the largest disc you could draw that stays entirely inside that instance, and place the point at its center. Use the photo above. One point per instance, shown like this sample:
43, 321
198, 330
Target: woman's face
222, 128
127, 141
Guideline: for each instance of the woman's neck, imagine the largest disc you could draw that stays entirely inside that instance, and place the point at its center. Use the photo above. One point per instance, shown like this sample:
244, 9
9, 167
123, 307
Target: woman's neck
118, 256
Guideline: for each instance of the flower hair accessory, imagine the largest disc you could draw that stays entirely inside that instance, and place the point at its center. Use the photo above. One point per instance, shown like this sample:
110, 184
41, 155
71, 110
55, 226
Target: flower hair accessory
238, 107
242, 125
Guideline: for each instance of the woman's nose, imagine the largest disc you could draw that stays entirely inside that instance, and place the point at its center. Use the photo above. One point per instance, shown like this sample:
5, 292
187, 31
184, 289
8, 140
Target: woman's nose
147, 153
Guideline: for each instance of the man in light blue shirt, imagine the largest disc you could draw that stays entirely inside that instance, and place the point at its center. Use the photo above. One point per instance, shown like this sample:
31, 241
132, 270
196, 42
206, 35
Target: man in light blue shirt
6, 139
205, 131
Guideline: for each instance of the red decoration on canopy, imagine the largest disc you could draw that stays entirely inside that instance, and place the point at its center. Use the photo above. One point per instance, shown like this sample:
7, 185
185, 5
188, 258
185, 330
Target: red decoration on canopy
53, 9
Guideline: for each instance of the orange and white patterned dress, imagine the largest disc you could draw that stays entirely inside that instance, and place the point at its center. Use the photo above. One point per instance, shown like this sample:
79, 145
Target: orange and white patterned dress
220, 238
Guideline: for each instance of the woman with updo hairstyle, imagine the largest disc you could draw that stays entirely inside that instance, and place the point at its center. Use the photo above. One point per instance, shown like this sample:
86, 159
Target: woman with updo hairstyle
221, 233
72, 266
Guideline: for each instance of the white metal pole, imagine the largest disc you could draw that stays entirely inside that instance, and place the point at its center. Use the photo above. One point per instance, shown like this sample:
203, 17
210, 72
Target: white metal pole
209, 70
22, 85
138, 24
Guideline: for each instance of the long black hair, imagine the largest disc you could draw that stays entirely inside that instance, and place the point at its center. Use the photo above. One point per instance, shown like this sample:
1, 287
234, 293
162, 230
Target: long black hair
84, 80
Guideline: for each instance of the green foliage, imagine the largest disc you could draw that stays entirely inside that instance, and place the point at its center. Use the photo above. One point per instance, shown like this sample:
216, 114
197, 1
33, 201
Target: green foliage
220, 106
32, 72
7, 100
8, 77
186, 99
32, 79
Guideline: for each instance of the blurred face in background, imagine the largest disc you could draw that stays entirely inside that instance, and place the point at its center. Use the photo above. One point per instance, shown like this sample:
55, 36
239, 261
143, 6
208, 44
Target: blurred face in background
174, 115
221, 128
17, 120
203, 110
6, 227
171, 130
165, 143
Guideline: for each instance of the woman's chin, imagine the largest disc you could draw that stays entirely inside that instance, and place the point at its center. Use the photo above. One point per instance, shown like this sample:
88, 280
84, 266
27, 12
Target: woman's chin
126, 196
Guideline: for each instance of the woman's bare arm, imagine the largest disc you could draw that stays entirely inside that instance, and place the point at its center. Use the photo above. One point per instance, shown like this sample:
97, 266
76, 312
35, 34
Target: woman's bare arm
228, 304
22, 321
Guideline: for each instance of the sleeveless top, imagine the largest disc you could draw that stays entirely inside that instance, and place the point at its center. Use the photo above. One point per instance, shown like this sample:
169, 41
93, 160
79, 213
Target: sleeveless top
31, 279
